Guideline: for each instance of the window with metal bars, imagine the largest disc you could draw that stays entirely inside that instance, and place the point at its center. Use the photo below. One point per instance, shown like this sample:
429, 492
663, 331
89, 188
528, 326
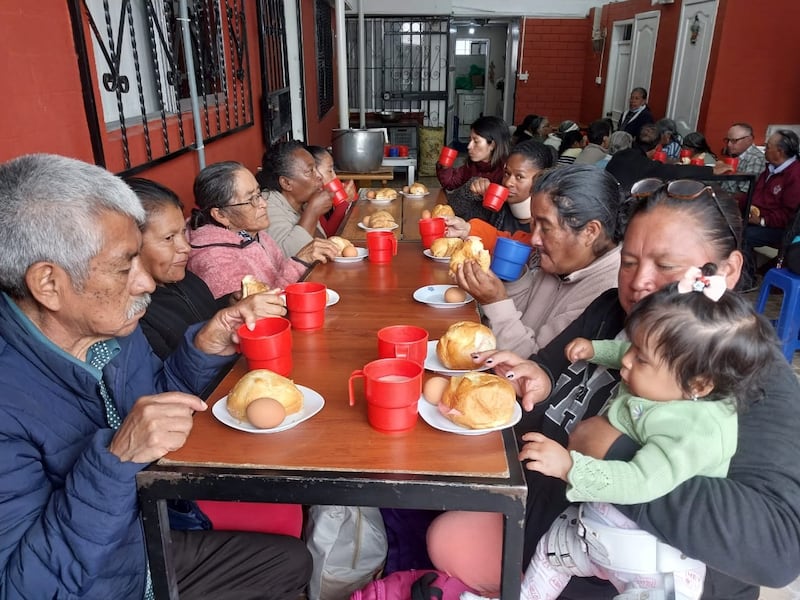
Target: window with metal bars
134, 69
324, 30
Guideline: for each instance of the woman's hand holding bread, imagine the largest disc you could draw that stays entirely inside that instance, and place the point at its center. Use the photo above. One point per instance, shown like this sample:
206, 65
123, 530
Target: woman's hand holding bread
530, 381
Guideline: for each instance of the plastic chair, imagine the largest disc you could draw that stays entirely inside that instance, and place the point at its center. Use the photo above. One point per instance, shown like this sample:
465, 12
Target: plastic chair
788, 323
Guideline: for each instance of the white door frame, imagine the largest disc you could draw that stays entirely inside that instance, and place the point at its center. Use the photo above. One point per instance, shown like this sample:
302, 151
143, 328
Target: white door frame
684, 32
617, 28
636, 47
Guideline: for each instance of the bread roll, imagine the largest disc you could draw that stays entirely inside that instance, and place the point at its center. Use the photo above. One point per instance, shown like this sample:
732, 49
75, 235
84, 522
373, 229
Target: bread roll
442, 247
340, 242
417, 189
386, 194
251, 285
379, 219
443, 210
262, 383
471, 249
478, 400
460, 341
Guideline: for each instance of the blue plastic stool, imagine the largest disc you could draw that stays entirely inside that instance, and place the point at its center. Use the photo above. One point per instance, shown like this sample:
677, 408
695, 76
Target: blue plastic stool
788, 323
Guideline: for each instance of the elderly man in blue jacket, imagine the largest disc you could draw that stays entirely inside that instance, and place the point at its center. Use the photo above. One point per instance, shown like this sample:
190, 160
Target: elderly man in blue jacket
85, 404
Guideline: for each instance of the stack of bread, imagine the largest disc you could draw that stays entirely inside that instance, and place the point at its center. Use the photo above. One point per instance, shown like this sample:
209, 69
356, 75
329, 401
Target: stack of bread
380, 219
382, 194
461, 339
478, 400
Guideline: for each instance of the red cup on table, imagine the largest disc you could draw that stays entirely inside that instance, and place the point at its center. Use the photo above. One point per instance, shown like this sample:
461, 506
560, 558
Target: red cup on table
685, 153
305, 303
733, 161
698, 161
382, 246
386, 149
431, 229
392, 387
268, 345
403, 151
660, 156
495, 196
336, 187
403, 341
447, 157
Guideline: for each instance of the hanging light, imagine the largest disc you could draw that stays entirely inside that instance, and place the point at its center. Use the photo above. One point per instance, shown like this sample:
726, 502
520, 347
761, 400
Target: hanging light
695, 30
471, 30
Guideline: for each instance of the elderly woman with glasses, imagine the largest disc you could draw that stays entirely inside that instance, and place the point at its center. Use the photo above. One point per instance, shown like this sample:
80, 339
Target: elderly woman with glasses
228, 234
745, 527
295, 198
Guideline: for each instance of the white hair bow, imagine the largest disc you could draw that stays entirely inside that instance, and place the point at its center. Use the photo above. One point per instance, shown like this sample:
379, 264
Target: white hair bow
712, 286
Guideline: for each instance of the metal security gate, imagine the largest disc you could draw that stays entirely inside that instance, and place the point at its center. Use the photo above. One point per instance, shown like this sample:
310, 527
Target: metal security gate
276, 107
406, 66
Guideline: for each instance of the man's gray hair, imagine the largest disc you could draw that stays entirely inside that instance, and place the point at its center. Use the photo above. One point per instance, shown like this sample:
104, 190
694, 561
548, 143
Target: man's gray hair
49, 211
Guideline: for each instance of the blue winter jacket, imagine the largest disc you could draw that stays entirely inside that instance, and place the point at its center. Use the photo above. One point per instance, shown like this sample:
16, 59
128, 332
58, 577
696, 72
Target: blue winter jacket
69, 517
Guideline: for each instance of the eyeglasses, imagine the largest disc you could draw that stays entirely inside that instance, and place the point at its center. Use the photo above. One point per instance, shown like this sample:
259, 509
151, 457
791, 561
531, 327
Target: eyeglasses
681, 189
253, 200
735, 140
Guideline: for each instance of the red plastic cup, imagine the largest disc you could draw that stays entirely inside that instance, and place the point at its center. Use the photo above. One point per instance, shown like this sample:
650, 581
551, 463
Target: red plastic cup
392, 387
733, 161
431, 229
268, 345
403, 341
386, 149
336, 187
660, 156
403, 151
305, 303
447, 157
382, 246
685, 153
698, 161
495, 196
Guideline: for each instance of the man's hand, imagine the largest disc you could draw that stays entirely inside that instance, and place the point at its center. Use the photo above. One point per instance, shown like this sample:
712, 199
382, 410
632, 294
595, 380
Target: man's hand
530, 381
156, 425
485, 287
479, 185
318, 249
545, 456
720, 168
579, 349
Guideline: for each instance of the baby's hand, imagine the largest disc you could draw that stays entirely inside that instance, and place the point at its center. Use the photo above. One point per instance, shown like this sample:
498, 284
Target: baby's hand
545, 455
579, 349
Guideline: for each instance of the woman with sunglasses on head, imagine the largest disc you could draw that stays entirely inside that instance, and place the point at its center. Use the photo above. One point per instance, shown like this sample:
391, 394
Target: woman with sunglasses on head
228, 235
746, 527
296, 199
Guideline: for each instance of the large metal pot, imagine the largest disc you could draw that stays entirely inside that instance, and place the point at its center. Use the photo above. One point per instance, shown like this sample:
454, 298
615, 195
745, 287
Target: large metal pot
358, 150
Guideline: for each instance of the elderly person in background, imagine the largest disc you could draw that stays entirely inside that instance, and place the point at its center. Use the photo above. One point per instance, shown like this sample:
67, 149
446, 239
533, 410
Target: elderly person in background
619, 140
638, 113
669, 138
596, 149
180, 298
776, 200
295, 199
228, 234
629, 166
740, 143
575, 233
86, 405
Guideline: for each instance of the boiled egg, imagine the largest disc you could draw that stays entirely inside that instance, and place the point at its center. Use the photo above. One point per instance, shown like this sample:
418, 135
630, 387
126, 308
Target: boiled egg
350, 252
265, 413
455, 294
434, 388
425, 214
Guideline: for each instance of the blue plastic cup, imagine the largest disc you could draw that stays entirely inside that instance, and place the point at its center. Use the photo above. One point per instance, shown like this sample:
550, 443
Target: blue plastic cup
509, 257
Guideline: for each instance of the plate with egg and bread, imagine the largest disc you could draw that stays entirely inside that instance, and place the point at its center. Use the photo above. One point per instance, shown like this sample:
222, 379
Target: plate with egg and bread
415, 191
265, 402
452, 353
381, 196
347, 251
470, 404
442, 296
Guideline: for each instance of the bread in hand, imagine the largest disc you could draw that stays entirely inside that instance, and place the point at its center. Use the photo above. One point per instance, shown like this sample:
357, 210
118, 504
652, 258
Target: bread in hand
471, 249
251, 285
478, 400
461, 339
262, 383
341, 243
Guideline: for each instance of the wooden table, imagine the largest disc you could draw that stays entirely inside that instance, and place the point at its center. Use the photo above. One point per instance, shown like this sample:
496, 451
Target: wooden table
406, 212
336, 457
365, 180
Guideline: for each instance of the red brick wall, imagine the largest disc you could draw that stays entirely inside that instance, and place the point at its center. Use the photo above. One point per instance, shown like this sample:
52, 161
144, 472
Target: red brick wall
554, 55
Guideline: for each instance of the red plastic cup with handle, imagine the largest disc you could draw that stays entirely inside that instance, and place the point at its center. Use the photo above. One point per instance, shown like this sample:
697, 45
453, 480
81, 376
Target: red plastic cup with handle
447, 157
336, 187
495, 196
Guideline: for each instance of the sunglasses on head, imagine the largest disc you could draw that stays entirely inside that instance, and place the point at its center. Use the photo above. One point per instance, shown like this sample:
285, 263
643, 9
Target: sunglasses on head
681, 189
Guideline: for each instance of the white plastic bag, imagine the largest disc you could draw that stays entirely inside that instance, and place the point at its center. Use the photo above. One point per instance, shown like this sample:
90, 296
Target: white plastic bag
348, 545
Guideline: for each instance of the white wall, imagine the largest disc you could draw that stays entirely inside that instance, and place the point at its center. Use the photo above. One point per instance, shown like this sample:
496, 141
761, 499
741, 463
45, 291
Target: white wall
509, 8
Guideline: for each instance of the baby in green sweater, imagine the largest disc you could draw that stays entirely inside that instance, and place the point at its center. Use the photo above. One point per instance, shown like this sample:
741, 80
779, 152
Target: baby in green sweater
690, 365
